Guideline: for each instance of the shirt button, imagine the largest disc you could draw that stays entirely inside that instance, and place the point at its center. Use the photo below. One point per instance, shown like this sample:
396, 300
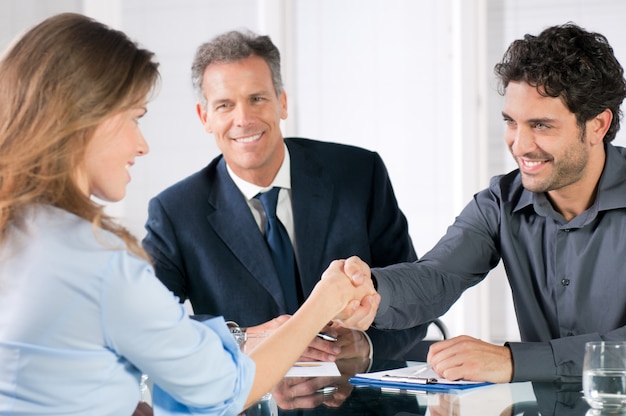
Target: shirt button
567, 230
565, 282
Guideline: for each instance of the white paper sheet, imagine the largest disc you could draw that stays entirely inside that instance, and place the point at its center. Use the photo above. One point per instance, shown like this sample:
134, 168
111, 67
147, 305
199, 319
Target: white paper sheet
313, 369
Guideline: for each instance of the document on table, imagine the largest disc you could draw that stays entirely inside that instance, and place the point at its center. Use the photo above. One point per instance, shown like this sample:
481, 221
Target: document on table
418, 377
314, 369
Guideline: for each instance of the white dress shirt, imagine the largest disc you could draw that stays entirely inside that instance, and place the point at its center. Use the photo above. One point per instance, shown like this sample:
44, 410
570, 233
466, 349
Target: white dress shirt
284, 210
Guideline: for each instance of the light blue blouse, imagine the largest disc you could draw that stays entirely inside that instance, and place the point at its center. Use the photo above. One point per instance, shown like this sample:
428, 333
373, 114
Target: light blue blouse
81, 319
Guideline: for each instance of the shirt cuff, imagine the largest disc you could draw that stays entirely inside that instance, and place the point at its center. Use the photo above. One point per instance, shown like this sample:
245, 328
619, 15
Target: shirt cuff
532, 361
384, 294
164, 404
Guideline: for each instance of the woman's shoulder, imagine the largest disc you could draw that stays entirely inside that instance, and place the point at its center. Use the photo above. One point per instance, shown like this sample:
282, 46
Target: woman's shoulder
69, 230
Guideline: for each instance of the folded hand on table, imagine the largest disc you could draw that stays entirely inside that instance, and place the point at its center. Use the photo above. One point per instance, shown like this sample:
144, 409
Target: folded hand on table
350, 343
353, 343
468, 358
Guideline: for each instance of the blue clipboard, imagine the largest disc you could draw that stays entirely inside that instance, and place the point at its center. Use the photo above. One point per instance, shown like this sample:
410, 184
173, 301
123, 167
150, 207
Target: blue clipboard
419, 377
406, 385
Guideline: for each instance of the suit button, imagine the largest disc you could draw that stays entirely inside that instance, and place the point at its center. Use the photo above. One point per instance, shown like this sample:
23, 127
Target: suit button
565, 282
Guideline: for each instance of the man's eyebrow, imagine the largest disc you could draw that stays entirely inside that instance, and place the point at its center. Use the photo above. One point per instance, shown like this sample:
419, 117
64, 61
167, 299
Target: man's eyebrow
531, 120
543, 120
260, 92
218, 101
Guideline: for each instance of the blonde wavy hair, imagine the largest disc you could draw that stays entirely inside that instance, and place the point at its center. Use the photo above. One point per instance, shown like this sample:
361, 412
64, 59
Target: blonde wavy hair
58, 82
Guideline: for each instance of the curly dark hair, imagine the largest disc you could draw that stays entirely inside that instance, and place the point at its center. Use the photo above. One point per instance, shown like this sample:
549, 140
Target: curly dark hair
569, 62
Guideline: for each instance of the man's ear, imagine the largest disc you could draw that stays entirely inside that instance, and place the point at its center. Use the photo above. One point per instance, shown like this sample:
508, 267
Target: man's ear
202, 114
599, 125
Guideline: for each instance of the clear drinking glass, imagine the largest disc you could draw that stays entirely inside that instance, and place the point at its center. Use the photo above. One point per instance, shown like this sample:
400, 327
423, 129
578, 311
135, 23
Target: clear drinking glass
604, 377
252, 339
145, 388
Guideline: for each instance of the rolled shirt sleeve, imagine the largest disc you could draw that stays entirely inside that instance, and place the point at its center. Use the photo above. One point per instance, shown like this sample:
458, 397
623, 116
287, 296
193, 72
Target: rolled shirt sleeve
198, 364
564, 275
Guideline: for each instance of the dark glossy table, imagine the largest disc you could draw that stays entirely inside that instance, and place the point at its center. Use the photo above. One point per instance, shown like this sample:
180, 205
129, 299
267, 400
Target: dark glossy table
336, 396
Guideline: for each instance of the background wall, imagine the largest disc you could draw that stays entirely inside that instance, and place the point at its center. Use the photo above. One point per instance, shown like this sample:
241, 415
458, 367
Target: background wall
410, 79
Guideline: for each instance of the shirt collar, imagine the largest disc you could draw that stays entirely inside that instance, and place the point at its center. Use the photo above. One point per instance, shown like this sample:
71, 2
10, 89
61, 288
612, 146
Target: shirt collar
612, 188
282, 179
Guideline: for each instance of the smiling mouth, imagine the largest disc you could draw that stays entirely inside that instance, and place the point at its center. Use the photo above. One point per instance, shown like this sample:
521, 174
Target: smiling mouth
248, 139
531, 165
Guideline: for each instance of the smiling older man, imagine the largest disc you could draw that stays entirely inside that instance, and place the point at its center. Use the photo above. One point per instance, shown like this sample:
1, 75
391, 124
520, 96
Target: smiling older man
206, 233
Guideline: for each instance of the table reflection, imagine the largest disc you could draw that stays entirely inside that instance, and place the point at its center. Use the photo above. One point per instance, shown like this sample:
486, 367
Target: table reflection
336, 396
311, 392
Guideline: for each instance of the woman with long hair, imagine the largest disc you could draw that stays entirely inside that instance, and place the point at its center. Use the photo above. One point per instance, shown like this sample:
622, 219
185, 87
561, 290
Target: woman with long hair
82, 315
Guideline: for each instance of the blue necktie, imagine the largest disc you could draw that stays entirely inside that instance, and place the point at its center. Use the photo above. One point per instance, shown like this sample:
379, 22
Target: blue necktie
280, 247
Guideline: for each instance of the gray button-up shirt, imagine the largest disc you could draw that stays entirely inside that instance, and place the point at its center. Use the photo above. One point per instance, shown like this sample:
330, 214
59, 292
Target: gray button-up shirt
568, 279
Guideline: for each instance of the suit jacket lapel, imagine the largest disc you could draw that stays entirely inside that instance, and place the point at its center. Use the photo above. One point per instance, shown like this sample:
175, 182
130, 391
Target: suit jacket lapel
312, 200
231, 219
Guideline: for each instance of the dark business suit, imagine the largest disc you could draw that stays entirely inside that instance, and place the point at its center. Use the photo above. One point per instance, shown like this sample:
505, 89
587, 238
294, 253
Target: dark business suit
207, 247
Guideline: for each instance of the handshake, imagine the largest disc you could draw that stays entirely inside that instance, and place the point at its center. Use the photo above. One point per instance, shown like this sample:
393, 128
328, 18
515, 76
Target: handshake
343, 304
347, 288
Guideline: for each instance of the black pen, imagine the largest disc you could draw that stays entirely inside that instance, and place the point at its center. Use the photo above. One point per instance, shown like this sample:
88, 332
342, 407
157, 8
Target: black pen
326, 337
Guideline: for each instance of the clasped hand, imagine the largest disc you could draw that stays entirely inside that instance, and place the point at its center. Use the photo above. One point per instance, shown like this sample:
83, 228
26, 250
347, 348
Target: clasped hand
360, 310
351, 280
